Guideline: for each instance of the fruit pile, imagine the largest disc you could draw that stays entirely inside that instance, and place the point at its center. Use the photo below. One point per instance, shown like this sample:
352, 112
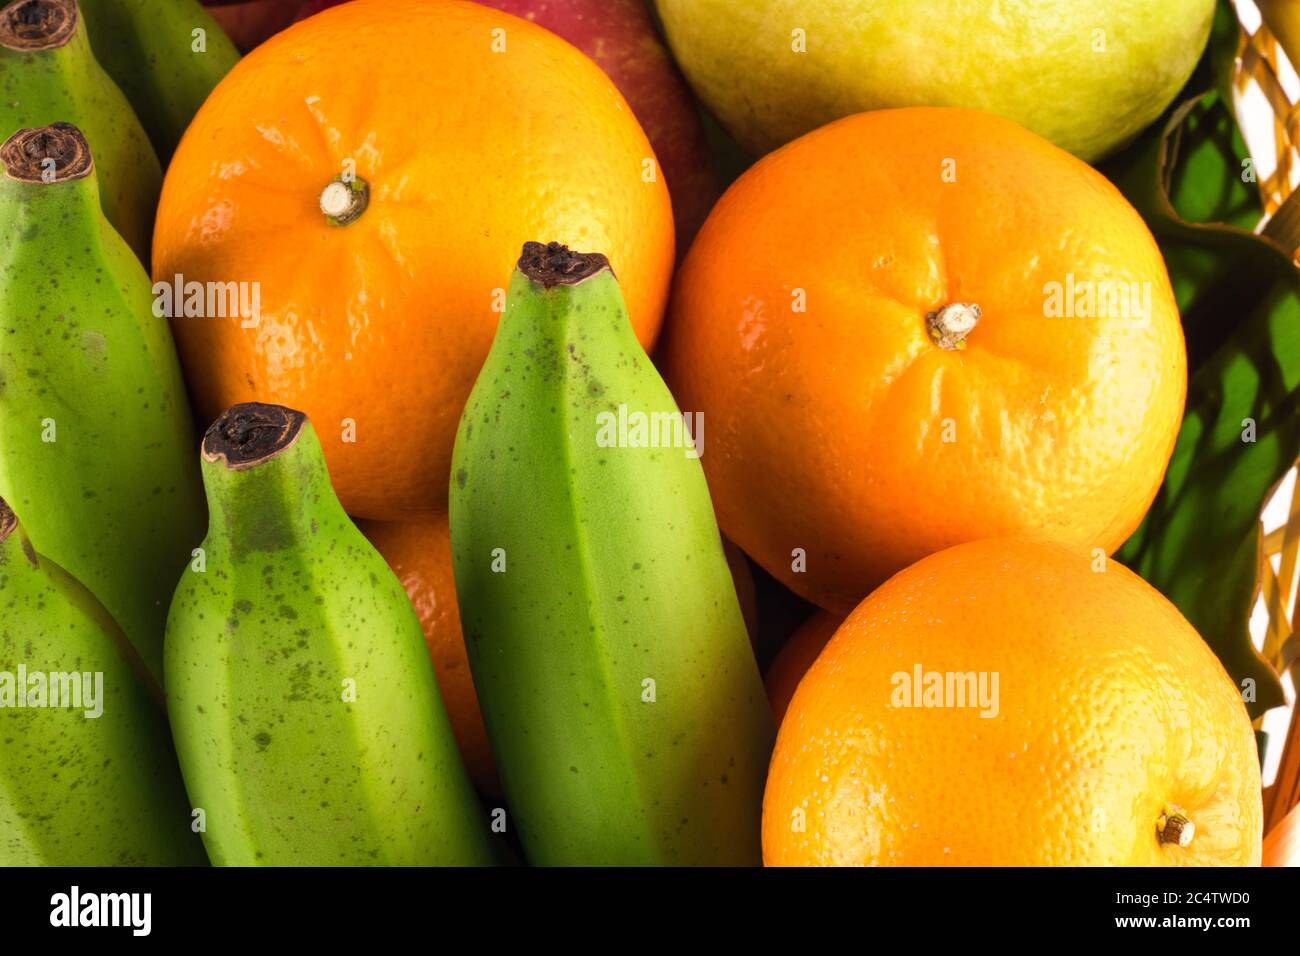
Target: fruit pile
346, 518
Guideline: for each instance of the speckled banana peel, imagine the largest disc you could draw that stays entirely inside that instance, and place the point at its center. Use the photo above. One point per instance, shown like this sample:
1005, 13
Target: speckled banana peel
96, 439
302, 698
166, 55
48, 74
625, 709
88, 776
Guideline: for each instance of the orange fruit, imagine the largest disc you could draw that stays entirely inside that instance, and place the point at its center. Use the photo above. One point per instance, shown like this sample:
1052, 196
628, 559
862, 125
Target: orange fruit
474, 131
1063, 715
419, 552
795, 657
846, 441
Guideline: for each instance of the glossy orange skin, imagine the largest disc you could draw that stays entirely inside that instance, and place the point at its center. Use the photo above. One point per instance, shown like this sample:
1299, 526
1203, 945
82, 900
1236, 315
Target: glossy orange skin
844, 430
419, 552
1110, 706
795, 657
468, 153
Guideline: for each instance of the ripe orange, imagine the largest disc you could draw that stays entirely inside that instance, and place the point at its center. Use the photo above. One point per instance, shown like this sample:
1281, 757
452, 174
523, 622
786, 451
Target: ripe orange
474, 131
419, 552
1109, 718
841, 431
794, 659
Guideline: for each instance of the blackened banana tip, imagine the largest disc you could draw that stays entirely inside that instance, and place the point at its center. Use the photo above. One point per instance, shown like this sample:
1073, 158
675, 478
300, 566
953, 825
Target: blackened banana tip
25, 154
553, 263
250, 433
32, 25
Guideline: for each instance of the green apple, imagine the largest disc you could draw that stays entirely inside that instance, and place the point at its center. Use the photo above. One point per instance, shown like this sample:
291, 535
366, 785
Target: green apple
1086, 74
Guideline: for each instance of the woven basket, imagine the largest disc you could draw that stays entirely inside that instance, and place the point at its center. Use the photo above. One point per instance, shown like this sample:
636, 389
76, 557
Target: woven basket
1266, 100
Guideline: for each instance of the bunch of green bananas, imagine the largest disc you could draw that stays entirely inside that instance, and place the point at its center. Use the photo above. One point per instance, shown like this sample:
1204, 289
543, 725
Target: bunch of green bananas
96, 438
95, 431
164, 55
621, 696
87, 772
302, 720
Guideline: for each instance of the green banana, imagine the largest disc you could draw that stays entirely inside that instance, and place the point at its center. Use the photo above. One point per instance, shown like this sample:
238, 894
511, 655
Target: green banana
96, 438
88, 776
164, 65
302, 698
625, 709
48, 75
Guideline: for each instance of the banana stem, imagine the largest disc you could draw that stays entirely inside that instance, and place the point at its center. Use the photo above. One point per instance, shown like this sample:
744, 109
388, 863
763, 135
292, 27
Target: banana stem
553, 264
265, 476
32, 25
57, 153
247, 435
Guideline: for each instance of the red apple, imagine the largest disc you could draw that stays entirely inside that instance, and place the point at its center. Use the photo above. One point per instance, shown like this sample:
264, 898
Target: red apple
620, 36
249, 22
312, 7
